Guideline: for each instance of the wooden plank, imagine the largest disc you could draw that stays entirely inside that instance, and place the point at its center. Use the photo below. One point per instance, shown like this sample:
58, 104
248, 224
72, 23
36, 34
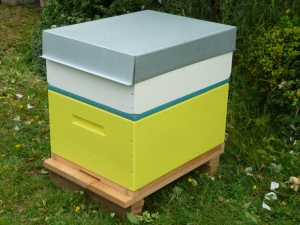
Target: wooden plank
88, 182
80, 178
209, 163
96, 186
62, 182
110, 206
111, 194
164, 180
210, 167
178, 172
136, 208
102, 179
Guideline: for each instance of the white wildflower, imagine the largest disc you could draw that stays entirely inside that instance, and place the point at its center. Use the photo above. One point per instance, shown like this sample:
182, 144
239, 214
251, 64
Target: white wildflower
29, 106
248, 169
18, 119
271, 195
274, 185
265, 206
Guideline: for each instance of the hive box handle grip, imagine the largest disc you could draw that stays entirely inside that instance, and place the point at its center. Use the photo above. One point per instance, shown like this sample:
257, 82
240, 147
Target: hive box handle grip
88, 125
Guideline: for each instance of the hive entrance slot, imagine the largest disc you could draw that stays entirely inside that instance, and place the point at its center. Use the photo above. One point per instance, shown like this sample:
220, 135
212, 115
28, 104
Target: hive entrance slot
88, 125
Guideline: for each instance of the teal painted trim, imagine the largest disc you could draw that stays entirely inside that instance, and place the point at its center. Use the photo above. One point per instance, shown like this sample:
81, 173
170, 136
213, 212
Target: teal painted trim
135, 117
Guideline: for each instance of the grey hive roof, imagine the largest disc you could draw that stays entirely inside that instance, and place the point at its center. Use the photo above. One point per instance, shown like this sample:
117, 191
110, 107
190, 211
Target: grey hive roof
135, 47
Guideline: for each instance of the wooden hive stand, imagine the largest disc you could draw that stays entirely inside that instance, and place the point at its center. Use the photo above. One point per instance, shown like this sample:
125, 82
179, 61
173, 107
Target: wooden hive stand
113, 197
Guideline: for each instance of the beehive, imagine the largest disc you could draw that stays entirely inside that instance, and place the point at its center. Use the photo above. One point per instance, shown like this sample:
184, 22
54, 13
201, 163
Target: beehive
134, 97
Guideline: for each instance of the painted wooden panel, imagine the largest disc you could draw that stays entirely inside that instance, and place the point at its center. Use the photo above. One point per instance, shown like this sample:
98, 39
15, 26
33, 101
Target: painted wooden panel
172, 137
92, 87
143, 96
175, 84
133, 154
91, 138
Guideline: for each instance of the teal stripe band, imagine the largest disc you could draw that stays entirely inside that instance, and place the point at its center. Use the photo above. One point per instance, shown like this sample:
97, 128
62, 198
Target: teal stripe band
135, 117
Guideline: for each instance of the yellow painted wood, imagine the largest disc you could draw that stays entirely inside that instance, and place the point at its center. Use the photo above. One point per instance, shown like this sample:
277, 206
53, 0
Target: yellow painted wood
92, 138
133, 154
174, 136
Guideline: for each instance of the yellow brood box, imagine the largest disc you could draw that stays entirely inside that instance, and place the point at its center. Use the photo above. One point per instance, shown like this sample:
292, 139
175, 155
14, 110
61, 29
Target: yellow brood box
131, 153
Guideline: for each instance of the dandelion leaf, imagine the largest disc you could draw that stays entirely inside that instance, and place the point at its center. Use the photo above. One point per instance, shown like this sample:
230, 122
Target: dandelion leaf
246, 205
250, 217
132, 218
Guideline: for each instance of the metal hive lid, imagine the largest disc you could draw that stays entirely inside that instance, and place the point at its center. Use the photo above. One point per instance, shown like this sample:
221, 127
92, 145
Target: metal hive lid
135, 47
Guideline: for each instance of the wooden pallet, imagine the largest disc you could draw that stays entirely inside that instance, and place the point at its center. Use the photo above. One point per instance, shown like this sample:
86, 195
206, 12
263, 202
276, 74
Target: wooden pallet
113, 197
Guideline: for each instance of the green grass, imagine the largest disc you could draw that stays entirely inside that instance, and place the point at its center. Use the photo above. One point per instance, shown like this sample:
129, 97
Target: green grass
229, 197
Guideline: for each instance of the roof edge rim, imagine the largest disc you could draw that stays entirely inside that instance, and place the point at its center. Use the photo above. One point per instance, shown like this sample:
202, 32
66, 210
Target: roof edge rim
87, 71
